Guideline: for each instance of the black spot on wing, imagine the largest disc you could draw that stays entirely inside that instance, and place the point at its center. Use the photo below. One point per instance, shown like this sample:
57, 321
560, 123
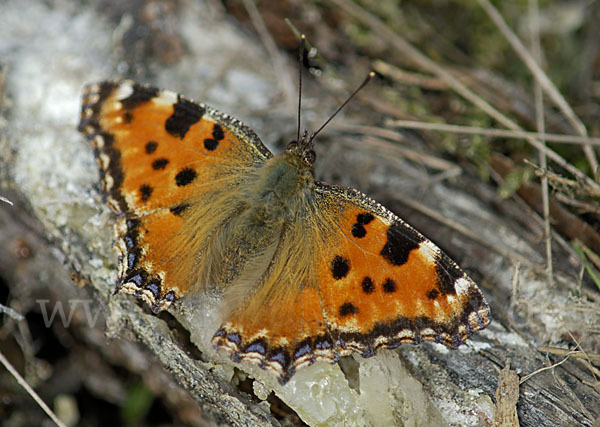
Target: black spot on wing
185, 114
218, 135
347, 309
185, 176
179, 209
217, 132
367, 285
211, 144
141, 94
160, 164
389, 286
145, 192
433, 294
151, 147
359, 231
364, 218
401, 240
339, 267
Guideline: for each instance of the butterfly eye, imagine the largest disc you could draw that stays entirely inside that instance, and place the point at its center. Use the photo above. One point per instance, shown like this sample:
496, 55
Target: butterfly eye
310, 157
292, 146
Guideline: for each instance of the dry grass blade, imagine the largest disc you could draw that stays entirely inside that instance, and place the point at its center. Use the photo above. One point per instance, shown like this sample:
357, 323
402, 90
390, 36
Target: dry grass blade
576, 354
503, 133
541, 78
545, 368
413, 79
587, 255
541, 126
9, 367
14, 314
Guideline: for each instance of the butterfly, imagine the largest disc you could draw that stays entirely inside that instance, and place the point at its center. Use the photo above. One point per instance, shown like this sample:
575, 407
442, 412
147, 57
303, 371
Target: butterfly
307, 271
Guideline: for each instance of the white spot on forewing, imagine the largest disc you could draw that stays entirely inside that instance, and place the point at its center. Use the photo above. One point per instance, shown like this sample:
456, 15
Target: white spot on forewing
165, 97
429, 251
462, 285
124, 90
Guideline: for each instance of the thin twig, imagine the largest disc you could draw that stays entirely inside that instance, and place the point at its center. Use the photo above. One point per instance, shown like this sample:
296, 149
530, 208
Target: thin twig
406, 77
450, 169
407, 49
572, 353
11, 313
545, 368
541, 77
541, 127
9, 367
380, 137
503, 133
515, 285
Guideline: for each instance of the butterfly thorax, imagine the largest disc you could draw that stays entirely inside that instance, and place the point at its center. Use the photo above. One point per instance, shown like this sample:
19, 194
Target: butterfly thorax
283, 183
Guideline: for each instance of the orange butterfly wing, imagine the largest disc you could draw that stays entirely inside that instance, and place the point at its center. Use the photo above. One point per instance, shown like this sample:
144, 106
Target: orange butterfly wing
373, 282
161, 158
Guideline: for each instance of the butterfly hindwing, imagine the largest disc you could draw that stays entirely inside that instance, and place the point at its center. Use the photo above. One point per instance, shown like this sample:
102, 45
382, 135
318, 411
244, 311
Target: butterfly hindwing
161, 157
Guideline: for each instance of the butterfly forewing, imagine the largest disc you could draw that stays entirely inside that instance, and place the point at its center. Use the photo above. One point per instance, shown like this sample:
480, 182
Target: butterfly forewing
161, 157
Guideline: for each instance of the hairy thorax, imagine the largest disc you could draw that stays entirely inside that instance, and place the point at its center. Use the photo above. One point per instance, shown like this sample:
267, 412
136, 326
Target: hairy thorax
274, 196
281, 187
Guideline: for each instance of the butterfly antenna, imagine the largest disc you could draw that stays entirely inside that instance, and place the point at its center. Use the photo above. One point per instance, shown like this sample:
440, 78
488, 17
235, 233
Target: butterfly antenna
363, 84
300, 58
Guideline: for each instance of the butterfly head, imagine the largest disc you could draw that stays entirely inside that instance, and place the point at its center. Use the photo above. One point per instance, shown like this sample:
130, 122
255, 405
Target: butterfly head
303, 149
